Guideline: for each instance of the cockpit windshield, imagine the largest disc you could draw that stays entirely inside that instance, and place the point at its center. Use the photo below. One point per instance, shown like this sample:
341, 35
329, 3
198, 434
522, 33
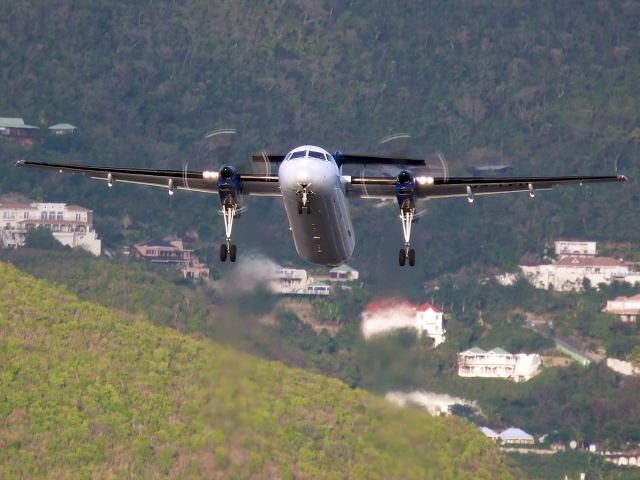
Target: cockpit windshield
319, 155
299, 154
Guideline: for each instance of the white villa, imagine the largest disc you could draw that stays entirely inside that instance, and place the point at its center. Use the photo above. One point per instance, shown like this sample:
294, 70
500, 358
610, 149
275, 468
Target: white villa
70, 224
498, 363
569, 273
382, 316
296, 281
626, 308
577, 262
289, 280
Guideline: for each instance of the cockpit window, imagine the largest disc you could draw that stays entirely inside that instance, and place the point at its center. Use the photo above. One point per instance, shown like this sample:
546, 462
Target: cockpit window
319, 155
299, 154
287, 157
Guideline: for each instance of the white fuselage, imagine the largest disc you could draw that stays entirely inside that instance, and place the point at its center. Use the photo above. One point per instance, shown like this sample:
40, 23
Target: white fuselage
325, 235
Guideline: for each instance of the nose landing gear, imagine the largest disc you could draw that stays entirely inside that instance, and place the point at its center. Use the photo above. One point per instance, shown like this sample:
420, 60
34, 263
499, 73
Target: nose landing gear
304, 193
227, 248
407, 253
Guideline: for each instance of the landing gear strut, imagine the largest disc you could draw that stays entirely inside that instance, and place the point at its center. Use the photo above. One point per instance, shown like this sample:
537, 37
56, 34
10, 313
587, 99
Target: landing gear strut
406, 215
227, 248
304, 193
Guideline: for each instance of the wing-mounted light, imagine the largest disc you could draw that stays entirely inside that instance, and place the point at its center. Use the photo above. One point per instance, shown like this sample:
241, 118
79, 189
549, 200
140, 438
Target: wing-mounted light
405, 190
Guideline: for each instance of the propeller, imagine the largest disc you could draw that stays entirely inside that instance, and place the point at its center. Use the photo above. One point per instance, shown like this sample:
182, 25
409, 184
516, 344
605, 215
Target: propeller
400, 145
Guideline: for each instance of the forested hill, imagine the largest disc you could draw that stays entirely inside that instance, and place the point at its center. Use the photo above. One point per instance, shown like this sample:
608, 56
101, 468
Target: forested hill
88, 393
549, 87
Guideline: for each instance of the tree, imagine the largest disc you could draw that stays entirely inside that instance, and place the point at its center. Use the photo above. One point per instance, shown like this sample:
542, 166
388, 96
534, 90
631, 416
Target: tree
42, 238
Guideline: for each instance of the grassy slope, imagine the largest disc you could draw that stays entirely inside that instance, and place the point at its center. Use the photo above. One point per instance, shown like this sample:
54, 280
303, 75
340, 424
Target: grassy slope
87, 392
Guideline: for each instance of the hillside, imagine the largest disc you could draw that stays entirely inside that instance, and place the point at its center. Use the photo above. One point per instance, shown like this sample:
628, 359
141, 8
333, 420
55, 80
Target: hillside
548, 87
552, 402
90, 393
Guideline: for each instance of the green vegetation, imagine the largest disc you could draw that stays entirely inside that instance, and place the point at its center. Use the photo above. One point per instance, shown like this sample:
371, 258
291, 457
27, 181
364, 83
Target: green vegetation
86, 392
566, 400
543, 467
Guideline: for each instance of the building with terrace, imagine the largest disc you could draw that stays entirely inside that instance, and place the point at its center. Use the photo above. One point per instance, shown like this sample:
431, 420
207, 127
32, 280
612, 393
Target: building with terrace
498, 363
71, 225
15, 129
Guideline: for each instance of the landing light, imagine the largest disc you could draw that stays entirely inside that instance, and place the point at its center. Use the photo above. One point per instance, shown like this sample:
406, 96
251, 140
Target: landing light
208, 174
425, 180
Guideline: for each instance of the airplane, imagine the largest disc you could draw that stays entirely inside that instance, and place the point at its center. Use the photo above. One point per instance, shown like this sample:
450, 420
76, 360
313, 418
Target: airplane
315, 194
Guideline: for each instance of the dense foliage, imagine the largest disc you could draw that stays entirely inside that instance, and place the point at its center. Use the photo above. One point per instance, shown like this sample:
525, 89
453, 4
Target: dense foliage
87, 392
592, 404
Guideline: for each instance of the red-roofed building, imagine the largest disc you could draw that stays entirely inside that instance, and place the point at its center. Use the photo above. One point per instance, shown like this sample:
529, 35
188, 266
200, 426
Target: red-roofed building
382, 316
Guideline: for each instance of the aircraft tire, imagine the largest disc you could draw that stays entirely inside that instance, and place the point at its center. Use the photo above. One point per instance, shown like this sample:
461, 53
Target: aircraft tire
299, 208
402, 257
232, 253
223, 253
412, 257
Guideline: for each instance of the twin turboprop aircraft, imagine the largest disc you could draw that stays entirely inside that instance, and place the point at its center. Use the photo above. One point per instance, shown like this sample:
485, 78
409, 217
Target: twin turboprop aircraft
315, 194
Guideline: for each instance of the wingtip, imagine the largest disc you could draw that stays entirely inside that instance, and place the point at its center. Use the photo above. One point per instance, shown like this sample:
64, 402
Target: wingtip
623, 178
19, 163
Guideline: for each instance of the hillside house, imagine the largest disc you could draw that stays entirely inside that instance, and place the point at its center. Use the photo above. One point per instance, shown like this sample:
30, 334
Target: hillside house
515, 436
195, 270
163, 251
63, 129
343, 273
317, 288
490, 434
289, 280
626, 308
570, 272
623, 367
510, 436
498, 363
16, 130
382, 316
71, 225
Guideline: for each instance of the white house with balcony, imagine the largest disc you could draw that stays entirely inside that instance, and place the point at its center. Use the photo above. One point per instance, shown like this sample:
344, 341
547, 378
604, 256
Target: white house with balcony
569, 272
498, 363
626, 308
382, 316
70, 224
288, 280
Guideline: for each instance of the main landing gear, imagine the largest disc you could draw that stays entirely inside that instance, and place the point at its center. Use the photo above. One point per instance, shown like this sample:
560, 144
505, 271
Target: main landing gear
303, 203
227, 248
407, 253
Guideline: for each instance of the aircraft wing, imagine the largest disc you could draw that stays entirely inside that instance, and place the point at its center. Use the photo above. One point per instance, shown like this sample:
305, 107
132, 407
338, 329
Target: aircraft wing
197, 181
430, 187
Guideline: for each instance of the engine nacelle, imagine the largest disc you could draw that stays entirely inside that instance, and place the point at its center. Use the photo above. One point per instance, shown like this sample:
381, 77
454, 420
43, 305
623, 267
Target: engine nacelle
228, 185
405, 190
